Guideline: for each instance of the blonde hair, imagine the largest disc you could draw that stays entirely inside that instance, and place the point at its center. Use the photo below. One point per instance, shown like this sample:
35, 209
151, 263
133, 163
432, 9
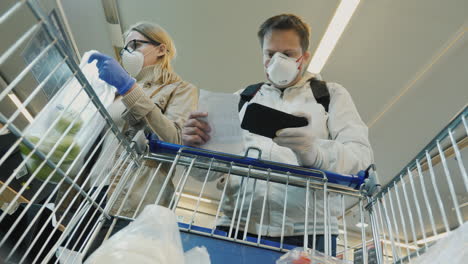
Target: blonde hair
163, 71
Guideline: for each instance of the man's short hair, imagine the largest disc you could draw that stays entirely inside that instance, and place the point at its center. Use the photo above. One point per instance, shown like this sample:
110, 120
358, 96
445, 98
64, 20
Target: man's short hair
286, 22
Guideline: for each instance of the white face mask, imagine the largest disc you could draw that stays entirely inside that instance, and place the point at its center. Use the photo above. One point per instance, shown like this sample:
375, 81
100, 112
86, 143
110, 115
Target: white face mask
133, 62
282, 70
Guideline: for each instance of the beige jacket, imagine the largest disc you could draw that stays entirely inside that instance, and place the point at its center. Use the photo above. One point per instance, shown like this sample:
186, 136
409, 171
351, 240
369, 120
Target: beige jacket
164, 114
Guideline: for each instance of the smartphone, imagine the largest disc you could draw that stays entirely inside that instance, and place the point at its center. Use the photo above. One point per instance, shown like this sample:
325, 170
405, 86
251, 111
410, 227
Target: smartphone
265, 121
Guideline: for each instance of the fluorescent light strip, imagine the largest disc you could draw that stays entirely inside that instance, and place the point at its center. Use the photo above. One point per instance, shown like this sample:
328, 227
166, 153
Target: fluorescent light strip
421, 74
400, 244
362, 225
432, 238
461, 206
193, 197
20, 105
337, 25
419, 242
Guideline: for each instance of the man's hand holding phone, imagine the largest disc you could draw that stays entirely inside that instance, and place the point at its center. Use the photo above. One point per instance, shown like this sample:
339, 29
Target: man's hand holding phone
302, 141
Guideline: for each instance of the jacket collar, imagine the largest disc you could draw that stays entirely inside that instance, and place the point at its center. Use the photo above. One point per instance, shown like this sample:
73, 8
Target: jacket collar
146, 74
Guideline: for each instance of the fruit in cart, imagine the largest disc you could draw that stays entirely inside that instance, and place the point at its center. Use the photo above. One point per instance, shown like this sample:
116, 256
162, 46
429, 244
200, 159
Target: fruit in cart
299, 256
46, 146
302, 260
66, 120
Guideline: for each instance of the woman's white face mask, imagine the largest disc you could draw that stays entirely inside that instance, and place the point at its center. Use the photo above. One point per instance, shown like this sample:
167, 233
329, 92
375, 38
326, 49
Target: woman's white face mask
133, 62
283, 70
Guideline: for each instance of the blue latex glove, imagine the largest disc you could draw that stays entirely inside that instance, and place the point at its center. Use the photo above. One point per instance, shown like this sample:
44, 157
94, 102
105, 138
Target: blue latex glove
112, 73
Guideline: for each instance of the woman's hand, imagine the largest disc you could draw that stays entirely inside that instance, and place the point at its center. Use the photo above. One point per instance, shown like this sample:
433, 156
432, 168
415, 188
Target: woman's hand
196, 132
112, 73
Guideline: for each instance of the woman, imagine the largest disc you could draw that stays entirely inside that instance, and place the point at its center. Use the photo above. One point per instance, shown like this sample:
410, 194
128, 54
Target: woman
153, 99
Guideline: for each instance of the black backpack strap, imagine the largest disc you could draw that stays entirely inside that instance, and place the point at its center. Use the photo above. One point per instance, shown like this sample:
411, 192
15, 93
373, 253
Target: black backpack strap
248, 94
320, 92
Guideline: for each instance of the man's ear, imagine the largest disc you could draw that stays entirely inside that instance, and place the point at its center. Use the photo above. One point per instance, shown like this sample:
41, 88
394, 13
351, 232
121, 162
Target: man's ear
306, 57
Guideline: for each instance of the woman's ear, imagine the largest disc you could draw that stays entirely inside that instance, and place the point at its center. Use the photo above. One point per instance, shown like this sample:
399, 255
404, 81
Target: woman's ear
161, 50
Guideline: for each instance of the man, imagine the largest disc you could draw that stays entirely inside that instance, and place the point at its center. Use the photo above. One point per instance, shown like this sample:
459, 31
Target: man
336, 139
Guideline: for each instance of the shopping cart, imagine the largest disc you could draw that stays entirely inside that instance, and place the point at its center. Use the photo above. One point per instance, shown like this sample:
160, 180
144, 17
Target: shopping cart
251, 170
37, 226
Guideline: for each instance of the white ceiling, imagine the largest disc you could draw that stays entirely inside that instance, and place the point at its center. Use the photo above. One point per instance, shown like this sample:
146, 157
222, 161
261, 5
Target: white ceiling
385, 48
382, 57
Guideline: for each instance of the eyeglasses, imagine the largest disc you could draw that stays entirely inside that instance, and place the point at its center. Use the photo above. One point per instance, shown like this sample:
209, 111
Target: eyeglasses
134, 44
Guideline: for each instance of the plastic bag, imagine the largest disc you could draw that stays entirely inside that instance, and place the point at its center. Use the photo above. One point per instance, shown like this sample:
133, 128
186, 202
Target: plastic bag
79, 113
65, 255
152, 238
450, 249
299, 256
197, 255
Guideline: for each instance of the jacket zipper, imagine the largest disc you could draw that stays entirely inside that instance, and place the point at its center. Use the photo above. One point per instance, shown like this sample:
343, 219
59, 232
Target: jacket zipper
271, 150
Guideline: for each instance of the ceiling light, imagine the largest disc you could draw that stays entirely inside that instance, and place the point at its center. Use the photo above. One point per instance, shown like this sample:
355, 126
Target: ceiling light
337, 25
361, 225
20, 106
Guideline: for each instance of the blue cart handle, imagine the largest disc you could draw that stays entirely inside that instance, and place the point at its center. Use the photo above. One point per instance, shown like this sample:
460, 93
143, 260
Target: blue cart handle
353, 181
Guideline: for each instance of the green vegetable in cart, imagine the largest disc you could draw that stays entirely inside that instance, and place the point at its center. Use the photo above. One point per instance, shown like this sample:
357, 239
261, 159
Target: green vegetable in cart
66, 120
46, 146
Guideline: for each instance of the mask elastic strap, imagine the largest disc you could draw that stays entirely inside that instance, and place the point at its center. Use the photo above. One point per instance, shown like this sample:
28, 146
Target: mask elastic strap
298, 59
